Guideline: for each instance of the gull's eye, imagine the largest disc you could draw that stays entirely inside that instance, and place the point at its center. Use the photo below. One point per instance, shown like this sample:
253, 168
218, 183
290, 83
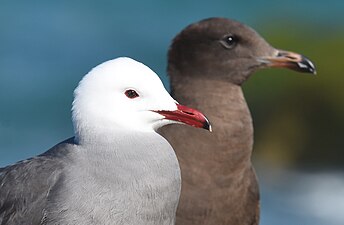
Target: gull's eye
229, 41
130, 93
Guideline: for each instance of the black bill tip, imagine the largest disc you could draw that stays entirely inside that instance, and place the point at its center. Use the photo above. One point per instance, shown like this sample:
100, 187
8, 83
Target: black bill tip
306, 66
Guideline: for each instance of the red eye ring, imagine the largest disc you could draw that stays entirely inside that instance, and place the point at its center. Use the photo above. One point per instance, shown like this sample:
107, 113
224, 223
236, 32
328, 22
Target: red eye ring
130, 93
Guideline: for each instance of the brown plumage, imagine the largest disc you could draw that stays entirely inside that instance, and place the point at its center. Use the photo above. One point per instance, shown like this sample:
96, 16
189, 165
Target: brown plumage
207, 64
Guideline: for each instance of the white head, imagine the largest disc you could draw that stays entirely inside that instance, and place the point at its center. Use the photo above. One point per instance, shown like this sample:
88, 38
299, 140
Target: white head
125, 94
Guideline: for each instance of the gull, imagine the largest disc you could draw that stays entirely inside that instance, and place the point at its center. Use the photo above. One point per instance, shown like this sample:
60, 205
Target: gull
116, 169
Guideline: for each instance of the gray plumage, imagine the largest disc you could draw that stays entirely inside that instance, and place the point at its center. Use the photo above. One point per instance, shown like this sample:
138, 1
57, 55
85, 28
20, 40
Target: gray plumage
25, 186
93, 184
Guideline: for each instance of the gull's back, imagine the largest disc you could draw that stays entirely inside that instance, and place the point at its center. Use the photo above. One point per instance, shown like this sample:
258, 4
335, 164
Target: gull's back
26, 186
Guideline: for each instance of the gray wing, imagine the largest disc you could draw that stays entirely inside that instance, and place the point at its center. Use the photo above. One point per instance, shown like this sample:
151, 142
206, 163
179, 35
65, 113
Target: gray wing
25, 186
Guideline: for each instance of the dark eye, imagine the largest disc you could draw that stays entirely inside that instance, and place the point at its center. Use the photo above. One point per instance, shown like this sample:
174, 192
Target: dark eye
131, 93
229, 41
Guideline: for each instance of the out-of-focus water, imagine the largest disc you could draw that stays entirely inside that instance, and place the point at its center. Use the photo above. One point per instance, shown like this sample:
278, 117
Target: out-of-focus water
305, 198
46, 47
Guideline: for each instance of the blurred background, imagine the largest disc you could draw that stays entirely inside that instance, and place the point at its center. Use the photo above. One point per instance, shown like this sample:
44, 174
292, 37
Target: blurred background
47, 46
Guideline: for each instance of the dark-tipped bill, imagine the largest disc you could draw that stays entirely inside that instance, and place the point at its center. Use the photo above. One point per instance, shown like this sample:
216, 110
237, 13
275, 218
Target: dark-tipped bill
187, 116
290, 60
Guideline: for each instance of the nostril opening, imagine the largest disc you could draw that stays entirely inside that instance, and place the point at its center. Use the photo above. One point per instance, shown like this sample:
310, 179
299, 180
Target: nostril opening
291, 57
189, 113
282, 54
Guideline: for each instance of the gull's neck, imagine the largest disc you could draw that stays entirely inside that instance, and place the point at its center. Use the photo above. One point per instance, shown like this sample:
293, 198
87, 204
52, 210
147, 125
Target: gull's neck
107, 133
216, 167
133, 175
225, 106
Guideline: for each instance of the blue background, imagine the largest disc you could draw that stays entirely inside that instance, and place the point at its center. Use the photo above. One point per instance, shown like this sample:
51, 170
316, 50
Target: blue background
47, 46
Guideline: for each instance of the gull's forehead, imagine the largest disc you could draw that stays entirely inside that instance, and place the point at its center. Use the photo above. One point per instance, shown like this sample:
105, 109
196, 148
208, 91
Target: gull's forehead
127, 71
121, 73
